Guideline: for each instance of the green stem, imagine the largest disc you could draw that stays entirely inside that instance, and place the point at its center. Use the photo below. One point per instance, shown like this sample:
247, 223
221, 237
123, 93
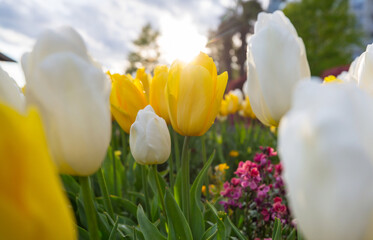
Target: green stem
171, 172
177, 151
146, 191
124, 157
185, 179
89, 208
105, 193
160, 191
203, 143
115, 173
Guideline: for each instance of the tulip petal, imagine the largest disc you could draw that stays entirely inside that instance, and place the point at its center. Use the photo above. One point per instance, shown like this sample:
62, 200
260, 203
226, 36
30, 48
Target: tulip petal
214, 107
29, 182
195, 95
59, 84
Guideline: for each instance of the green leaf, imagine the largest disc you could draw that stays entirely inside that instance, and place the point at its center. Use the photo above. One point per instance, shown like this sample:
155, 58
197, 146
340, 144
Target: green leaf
236, 230
149, 231
70, 184
299, 235
83, 234
177, 222
221, 227
113, 232
292, 235
177, 188
122, 203
196, 213
210, 233
277, 230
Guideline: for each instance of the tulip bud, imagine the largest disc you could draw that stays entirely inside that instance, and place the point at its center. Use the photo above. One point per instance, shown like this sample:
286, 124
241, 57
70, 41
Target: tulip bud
150, 140
72, 94
10, 93
325, 144
194, 93
277, 61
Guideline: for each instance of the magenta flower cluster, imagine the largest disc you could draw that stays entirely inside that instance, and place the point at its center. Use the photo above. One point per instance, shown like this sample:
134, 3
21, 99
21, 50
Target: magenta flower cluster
258, 190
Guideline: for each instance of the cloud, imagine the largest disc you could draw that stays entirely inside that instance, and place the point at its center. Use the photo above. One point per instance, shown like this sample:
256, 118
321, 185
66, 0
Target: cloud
108, 27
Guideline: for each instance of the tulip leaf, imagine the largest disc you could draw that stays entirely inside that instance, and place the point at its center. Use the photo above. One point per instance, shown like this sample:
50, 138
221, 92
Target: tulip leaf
196, 213
277, 230
221, 226
179, 228
235, 229
210, 233
177, 188
83, 234
123, 204
113, 232
149, 231
292, 235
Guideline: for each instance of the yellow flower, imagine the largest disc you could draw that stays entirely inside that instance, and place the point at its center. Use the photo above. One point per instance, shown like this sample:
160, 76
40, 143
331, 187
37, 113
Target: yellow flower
332, 79
127, 98
203, 190
145, 79
157, 92
233, 153
32, 201
221, 167
223, 108
233, 103
247, 111
194, 93
117, 153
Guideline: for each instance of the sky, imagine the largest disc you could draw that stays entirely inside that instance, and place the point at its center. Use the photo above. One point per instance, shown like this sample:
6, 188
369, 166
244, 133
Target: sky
109, 27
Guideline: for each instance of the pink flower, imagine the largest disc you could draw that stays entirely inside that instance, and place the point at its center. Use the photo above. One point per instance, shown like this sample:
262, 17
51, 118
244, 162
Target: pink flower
277, 199
279, 208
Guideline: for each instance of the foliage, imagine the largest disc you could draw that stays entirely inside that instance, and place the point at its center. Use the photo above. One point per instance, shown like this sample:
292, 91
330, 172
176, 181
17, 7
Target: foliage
329, 31
146, 52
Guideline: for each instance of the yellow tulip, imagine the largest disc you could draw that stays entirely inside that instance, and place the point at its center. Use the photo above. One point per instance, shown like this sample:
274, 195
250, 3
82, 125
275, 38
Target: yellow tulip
194, 93
126, 99
32, 201
233, 103
157, 92
247, 111
223, 108
145, 79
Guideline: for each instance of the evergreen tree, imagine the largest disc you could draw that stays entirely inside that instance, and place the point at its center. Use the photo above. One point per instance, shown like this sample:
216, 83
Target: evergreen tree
146, 53
329, 31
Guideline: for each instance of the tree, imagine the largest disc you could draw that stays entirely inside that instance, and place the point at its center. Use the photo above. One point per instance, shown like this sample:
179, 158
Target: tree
329, 31
146, 52
228, 42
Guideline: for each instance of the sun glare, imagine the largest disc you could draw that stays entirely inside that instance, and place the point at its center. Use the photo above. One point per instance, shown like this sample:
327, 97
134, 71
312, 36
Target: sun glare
180, 39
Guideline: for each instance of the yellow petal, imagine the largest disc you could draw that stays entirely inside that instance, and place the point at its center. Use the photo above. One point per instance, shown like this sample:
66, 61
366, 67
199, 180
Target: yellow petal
221, 84
157, 92
32, 201
204, 60
195, 96
126, 100
172, 92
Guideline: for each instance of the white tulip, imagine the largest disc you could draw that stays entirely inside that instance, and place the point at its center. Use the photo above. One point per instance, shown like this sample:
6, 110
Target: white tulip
363, 69
277, 61
325, 144
72, 94
10, 93
150, 140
